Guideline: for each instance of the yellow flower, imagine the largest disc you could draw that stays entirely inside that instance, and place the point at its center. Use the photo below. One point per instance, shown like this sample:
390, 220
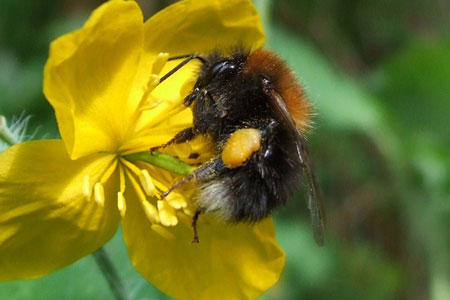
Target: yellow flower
63, 199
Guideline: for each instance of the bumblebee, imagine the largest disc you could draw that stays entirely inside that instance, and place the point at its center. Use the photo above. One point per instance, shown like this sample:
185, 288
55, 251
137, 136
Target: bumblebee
254, 111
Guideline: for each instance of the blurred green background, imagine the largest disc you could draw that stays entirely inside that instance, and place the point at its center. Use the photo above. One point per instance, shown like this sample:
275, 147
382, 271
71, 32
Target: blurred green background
378, 73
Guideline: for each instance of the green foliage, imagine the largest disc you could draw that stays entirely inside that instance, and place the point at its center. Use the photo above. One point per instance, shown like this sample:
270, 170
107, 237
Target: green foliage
415, 84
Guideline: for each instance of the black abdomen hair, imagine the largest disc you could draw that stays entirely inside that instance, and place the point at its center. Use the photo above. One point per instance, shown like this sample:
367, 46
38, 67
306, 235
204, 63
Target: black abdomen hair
252, 191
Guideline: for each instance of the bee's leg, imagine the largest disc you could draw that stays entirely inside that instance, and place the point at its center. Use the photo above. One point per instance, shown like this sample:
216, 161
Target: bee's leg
181, 137
178, 184
205, 172
191, 97
194, 226
202, 173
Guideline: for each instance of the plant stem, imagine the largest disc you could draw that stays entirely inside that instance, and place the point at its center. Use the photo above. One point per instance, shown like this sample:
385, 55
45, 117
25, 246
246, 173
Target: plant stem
110, 273
5, 134
163, 161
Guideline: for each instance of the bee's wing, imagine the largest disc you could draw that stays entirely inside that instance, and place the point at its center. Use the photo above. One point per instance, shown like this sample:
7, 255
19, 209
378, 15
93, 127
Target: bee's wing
315, 203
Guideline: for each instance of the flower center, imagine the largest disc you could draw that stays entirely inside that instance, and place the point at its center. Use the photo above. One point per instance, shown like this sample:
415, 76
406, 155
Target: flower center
146, 188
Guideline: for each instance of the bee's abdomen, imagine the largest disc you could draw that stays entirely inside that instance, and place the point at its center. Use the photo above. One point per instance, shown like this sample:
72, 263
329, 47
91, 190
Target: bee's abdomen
254, 190
237, 198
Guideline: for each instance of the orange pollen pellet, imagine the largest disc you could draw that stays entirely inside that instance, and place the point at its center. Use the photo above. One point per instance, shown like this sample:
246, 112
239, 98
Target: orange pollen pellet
240, 147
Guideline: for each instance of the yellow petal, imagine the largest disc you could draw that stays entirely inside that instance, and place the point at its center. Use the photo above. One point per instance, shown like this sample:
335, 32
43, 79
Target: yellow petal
90, 75
45, 220
194, 26
233, 261
156, 128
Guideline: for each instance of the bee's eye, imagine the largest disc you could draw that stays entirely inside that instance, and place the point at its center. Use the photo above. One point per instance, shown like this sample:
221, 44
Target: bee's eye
223, 70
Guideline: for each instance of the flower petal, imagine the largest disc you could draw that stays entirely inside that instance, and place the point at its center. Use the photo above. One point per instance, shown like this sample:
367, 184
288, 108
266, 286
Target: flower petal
233, 261
90, 78
45, 221
199, 26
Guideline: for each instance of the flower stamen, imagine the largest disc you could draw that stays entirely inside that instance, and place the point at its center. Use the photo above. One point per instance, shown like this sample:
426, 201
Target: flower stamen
152, 103
147, 183
135, 170
151, 212
167, 213
87, 187
176, 200
121, 178
160, 62
99, 194
109, 171
149, 209
121, 204
153, 82
146, 101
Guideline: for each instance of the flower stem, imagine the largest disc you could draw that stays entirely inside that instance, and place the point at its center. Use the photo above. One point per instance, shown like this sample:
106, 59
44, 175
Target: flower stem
5, 134
163, 161
110, 273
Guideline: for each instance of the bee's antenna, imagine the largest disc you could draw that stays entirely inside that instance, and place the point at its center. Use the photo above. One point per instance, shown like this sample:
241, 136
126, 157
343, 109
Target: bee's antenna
192, 56
187, 58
